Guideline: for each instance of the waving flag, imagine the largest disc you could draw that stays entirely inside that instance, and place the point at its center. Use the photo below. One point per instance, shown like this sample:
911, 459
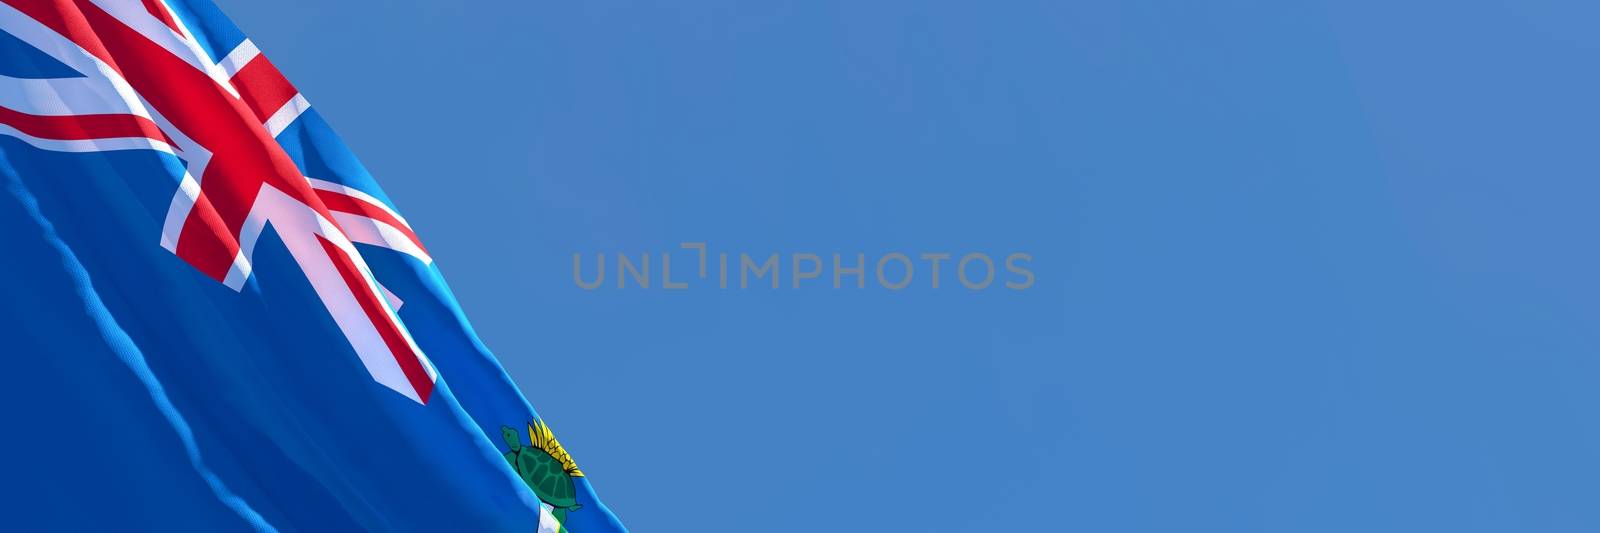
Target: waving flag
214, 318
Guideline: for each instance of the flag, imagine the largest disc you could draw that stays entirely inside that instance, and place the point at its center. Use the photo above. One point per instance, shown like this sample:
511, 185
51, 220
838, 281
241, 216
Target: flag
213, 319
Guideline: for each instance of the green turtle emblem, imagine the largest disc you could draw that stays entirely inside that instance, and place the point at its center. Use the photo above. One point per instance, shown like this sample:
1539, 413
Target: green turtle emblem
545, 466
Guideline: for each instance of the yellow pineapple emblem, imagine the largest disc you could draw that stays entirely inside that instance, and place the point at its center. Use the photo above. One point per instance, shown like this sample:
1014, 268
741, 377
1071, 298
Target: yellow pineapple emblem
543, 439
545, 466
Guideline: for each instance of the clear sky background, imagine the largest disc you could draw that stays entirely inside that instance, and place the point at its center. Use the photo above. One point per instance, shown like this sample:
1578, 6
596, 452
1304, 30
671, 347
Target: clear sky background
1322, 266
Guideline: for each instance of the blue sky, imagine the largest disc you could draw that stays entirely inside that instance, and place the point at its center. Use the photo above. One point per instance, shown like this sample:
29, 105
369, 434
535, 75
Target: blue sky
1301, 266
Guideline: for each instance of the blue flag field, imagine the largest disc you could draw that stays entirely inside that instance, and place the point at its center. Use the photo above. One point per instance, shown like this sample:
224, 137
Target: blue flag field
215, 320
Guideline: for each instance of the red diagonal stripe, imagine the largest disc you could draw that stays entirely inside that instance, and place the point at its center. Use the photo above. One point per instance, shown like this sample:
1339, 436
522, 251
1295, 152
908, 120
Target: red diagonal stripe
72, 127
263, 87
410, 363
244, 156
338, 201
65, 19
161, 13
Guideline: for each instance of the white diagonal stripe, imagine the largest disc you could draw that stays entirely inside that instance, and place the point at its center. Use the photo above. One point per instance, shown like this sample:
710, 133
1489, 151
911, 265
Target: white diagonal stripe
239, 57
284, 116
